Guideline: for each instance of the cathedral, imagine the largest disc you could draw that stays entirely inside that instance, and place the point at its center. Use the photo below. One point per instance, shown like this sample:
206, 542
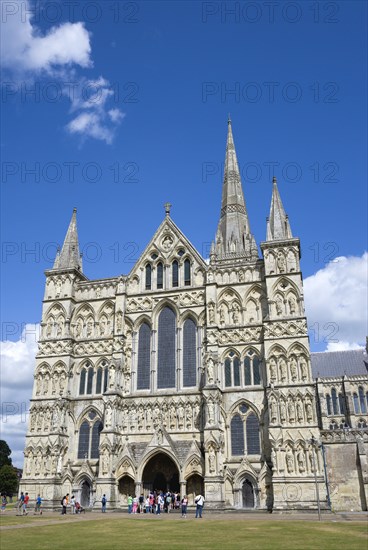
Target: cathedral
195, 375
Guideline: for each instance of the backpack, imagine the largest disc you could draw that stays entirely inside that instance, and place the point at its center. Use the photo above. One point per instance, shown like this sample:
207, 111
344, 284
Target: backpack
103, 500
62, 502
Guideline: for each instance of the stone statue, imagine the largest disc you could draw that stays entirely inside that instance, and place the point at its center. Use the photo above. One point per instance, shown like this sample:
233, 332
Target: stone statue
273, 411
274, 459
38, 384
62, 381
181, 415
303, 368
292, 305
103, 326
32, 421
236, 313
281, 262
222, 315
241, 276
108, 415
49, 328
210, 370
105, 462
282, 410
290, 462
271, 263
291, 261
46, 380
89, 328
291, 410
272, 369
119, 321
309, 411
78, 328
211, 412
301, 461
55, 421
293, 369
212, 460
299, 411
283, 370
211, 313
59, 464
279, 305
188, 414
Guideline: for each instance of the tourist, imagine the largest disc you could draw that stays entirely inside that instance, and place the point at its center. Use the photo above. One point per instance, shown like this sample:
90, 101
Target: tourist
103, 503
199, 500
168, 502
25, 504
130, 504
20, 504
135, 504
184, 506
152, 503
147, 505
72, 504
160, 503
64, 503
38, 504
4, 502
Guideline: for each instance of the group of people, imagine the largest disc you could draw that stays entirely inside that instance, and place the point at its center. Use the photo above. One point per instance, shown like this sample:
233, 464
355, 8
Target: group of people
75, 507
158, 501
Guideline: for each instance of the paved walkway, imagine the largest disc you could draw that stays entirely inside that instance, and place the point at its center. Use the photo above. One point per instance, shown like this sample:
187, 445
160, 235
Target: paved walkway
55, 518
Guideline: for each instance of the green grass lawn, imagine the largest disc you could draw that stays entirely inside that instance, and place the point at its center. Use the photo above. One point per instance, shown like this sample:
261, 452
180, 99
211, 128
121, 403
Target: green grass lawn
116, 533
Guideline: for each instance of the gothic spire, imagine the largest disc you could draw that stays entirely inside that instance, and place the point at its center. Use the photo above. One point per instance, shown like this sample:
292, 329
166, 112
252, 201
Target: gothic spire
69, 256
233, 236
278, 226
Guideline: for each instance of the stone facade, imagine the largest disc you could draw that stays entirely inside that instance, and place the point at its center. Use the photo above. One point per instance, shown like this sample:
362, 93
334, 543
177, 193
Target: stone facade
185, 374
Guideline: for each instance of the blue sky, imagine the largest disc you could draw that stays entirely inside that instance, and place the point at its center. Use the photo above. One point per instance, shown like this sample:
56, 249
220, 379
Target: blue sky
130, 111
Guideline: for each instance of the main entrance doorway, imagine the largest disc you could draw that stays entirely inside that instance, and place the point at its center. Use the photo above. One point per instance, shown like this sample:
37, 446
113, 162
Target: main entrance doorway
248, 494
161, 474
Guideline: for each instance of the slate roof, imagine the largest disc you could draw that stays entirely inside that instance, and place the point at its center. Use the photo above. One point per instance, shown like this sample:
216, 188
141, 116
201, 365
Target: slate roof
339, 363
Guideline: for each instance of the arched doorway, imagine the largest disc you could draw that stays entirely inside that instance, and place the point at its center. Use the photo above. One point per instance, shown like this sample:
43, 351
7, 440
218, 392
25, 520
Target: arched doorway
85, 494
160, 474
194, 487
248, 494
126, 488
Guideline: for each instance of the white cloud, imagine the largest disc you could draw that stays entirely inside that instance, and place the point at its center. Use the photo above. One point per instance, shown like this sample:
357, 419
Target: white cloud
28, 54
17, 367
336, 300
23, 45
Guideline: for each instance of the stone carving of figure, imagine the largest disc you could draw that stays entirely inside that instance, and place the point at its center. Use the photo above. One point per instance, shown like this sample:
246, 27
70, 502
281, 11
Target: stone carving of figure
212, 460
89, 328
236, 313
38, 413
46, 380
108, 416
140, 417
299, 411
188, 415
38, 384
172, 416
281, 262
112, 376
119, 321
309, 411
181, 415
54, 381
211, 412
289, 462
283, 370
167, 243
210, 370
303, 368
103, 326
132, 418
126, 382
47, 463
49, 328
211, 313
59, 464
60, 326
291, 261
148, 417
29, 461
55, 420
196, 411
274, 459
222, 315
273, 411
272, 369
271, 263
293, 369
32, 421
38, 464
241, 276
78, 328
292, 304
46, 422
160, 437
301, 461
58, 288
279, 305
105, 462
291, 410
62, 381
282, 410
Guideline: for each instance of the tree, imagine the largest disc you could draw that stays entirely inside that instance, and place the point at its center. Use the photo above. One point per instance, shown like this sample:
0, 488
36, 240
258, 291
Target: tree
8, 480
5, 453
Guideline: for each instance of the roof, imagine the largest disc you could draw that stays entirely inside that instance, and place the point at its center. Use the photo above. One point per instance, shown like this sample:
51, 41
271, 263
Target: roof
339, 363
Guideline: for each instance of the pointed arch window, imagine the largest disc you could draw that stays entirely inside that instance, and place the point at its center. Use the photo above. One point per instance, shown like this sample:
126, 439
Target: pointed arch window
83, 445
252, 370
232, 370
175, 273
82, 382
237, 435
356, 403
160, 275
252, 429
144, 357
334, 401
363, 408
166, 358
99, 380
189, 353
95, 441
341, 403
148, 276
187, 280
328, 403
89, 381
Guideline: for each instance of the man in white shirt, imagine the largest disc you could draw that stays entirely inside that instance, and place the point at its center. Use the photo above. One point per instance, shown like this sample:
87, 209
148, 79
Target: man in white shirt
199, 500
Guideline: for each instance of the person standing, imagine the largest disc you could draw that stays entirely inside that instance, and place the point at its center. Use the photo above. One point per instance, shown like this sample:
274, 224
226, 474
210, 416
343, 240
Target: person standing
103, 502
130, 504
72, 504
199, 500
4, 502
38, 505
184, 506
64, 504
20, 504
25, 504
